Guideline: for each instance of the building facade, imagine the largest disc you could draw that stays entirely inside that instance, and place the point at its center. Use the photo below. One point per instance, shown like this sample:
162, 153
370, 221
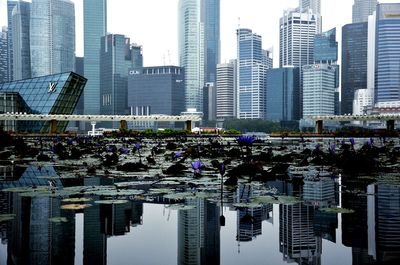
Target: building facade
52, 94
3, 55
10, 7
251, 73
283, 102
116, 58
226, 91
387, 55
21, 41
362, 9
199, 46
156, 90
318, 90
52, 37
94, 28
210, 16
354, 63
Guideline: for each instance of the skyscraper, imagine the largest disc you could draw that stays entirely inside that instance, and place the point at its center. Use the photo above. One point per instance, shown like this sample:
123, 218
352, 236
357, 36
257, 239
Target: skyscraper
318, 90
354, 62
21, 40
210, 16
116, 58
95, 27
3, 56
251, 93
296, 40
314, 5
387, 55
283, 85
10, 6
226, 90
362, 9
52, 37
198, 29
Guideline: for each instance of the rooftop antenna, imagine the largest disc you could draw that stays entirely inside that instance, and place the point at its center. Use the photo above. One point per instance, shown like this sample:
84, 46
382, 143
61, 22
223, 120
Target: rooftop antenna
169, 57
238, 22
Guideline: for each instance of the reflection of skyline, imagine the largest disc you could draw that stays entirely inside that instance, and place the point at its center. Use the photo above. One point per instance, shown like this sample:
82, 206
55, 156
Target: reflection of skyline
199, 233
298, 242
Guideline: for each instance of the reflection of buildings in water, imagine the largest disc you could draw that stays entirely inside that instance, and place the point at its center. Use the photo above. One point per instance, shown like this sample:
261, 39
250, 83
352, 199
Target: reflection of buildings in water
325, 225
198, 233
354, 226
319, 191
249, 220
34, 239
5, 204
102, 221
298, 242
384, 222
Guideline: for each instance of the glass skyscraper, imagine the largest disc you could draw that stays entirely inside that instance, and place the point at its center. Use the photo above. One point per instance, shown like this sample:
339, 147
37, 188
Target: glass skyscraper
226, 90
3, 55
199, 45
10, 7
251, 95
21, 15
52, 37
116, 58
283, 101
326, 47
95, 27
210, 16
387, 55
362, 9
354, 62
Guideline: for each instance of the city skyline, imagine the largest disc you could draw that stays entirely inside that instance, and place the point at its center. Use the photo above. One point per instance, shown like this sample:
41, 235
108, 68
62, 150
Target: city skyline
251, 14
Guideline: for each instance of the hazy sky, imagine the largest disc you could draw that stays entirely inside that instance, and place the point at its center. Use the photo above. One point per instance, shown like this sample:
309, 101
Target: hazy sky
153, 24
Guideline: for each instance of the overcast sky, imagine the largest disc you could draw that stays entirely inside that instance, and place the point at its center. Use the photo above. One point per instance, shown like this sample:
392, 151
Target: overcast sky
153, 24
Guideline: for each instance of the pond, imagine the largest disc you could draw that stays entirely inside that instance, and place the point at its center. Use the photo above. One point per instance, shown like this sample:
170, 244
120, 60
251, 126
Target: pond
50, 215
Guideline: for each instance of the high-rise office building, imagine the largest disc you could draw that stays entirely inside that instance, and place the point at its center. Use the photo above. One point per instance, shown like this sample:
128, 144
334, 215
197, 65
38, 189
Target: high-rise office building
209, 102
116, 58
198, 29
296, 40
314, 5
21, 40
318, 90
387, 55
52, 37
94, 28
362, 9
251, 71
210, 16
283, 102
226, 90
160, 89
3, 55
354, 63
10, 7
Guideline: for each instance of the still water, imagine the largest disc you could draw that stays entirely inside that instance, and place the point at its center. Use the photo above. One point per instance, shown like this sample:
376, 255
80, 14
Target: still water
153, 230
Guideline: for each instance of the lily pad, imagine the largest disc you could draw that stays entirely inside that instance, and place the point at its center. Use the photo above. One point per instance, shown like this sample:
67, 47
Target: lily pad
75, 206
337, 210
6, 217
58, 220
179, 196
77, 200
25, 189
181, 207
289, 200
265, 200
160, 191
247, 205
111, 201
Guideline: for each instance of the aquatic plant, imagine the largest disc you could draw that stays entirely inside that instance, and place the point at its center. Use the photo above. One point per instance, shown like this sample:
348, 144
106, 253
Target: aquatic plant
196, 166
245, 140
6, 217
